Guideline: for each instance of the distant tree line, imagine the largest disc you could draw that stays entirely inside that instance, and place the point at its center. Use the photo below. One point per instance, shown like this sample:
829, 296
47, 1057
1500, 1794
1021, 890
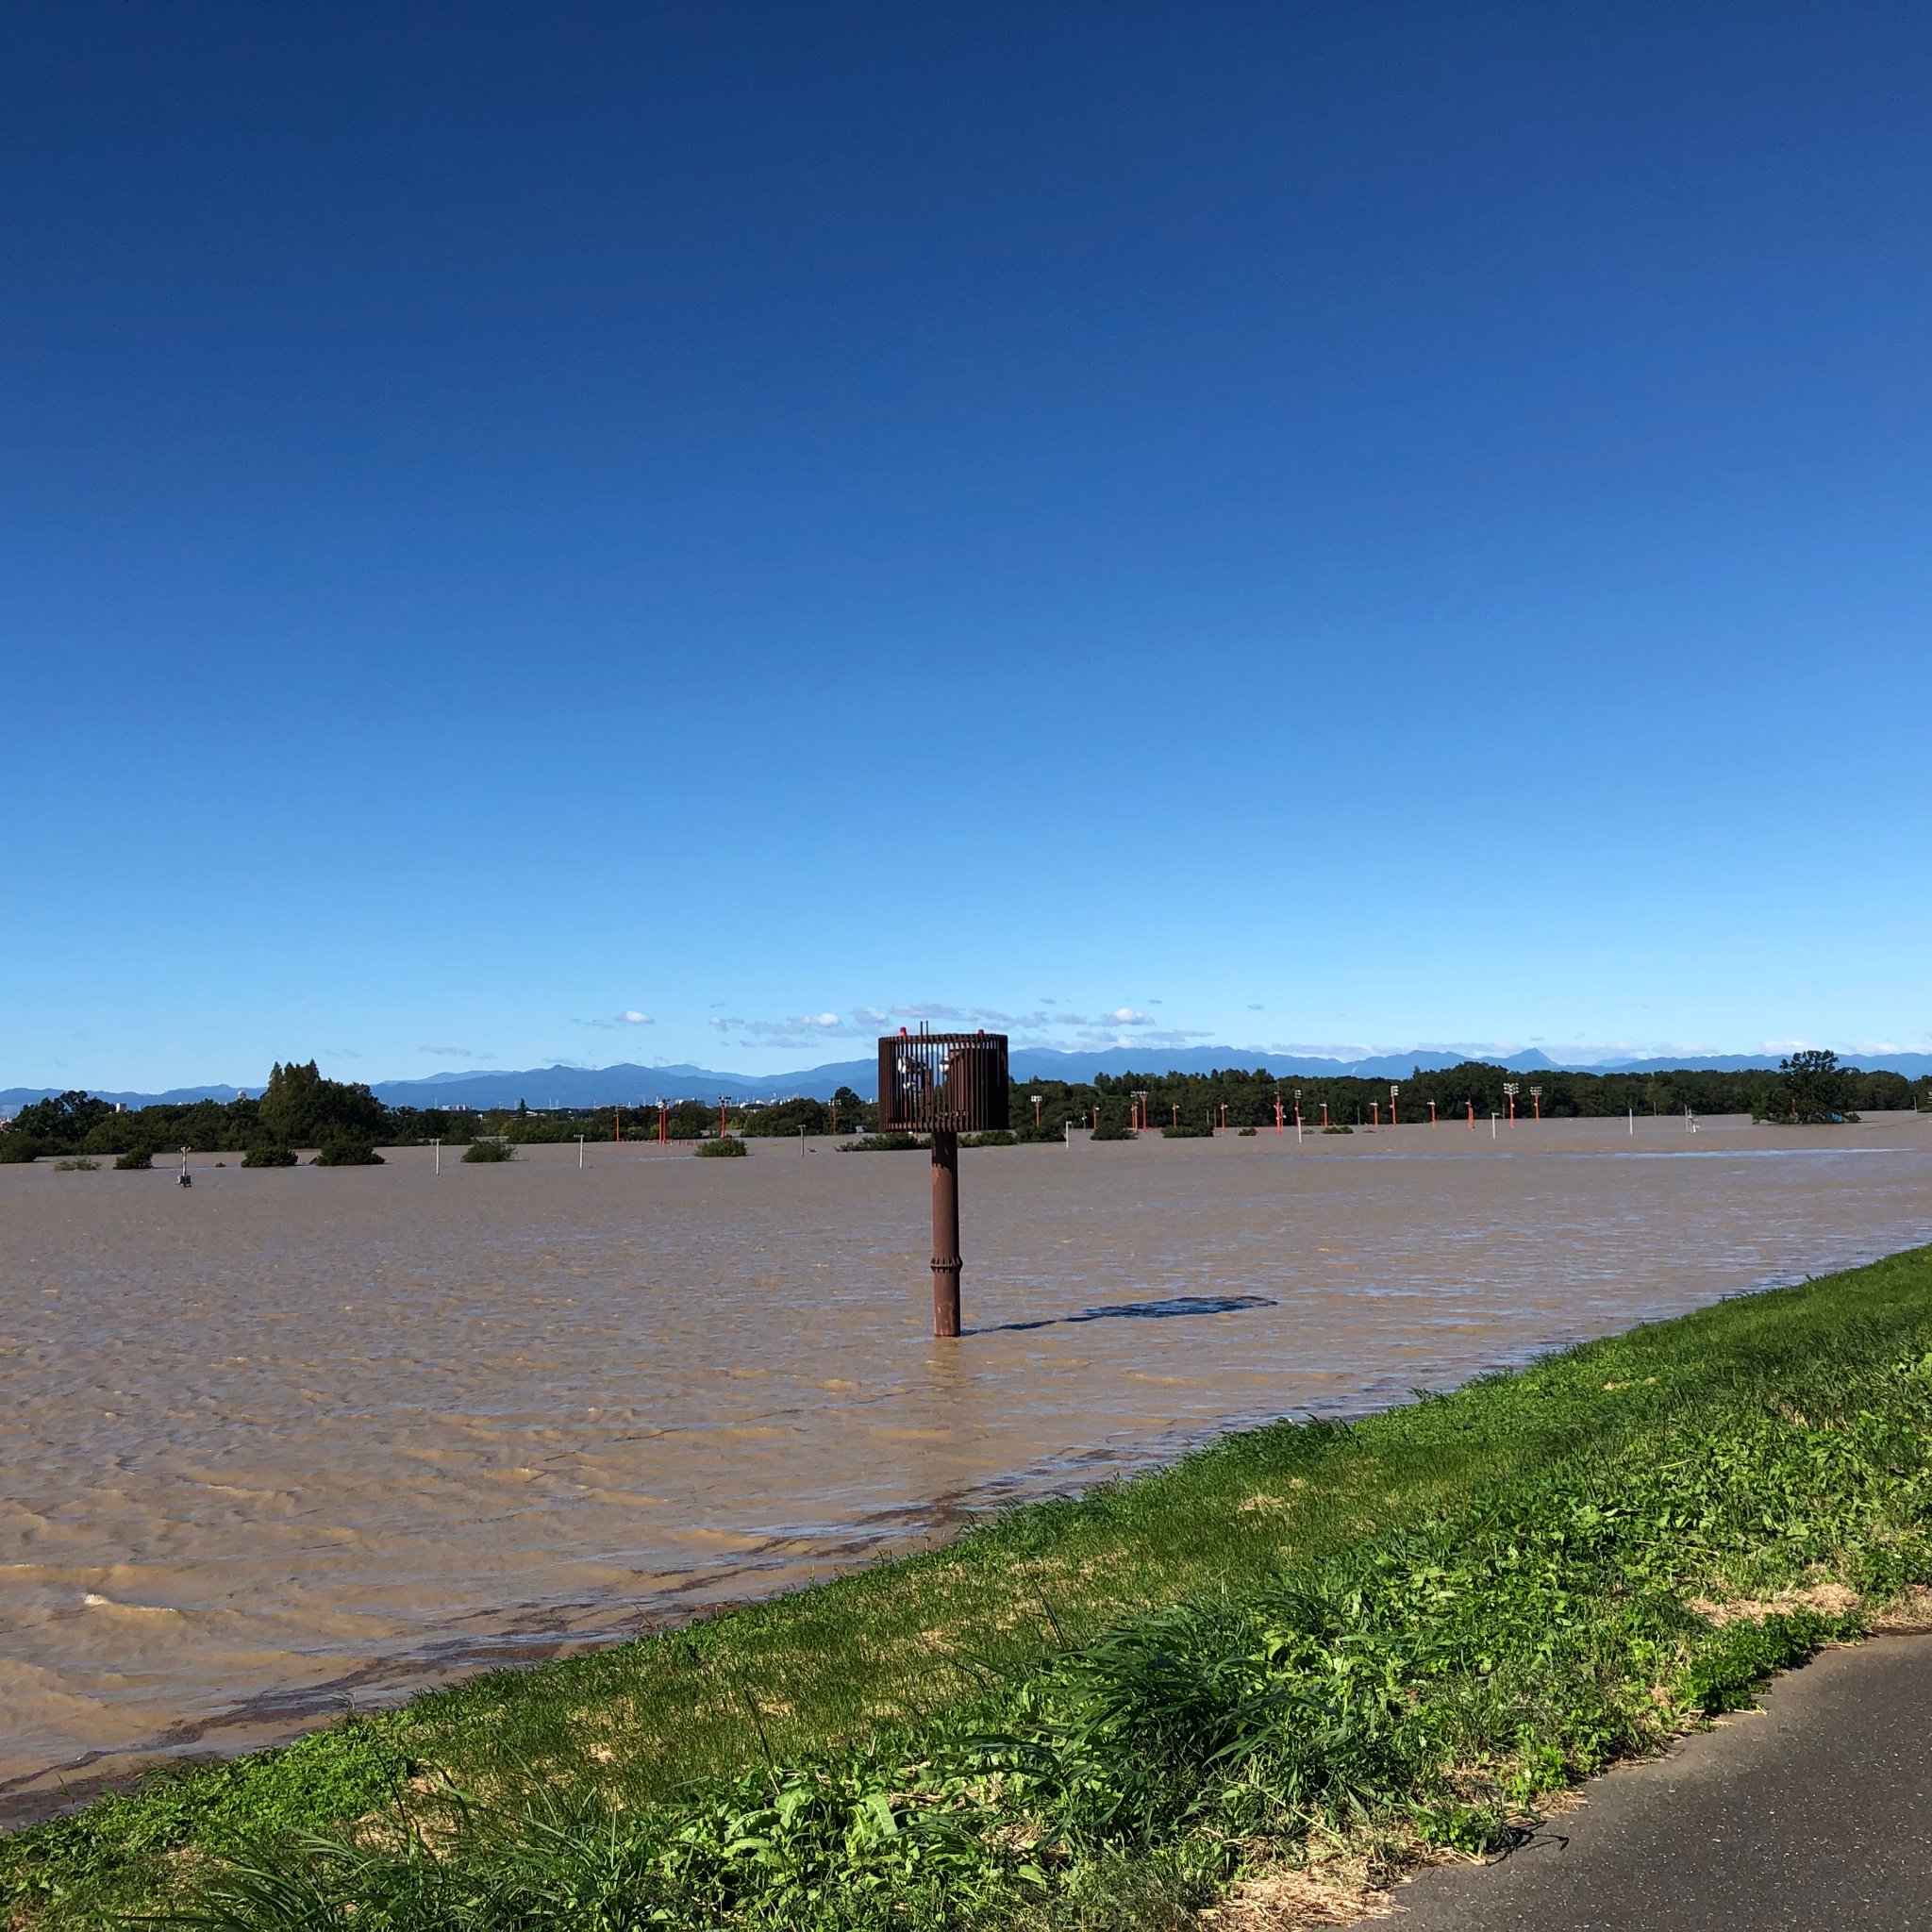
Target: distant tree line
1808, 1088
300, 1109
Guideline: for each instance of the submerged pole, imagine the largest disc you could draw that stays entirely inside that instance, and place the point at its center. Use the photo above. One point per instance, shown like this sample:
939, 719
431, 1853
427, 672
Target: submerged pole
945, 1231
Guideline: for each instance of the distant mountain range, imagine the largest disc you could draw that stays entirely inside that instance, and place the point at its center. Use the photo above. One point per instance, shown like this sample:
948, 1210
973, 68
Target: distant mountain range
634, 1086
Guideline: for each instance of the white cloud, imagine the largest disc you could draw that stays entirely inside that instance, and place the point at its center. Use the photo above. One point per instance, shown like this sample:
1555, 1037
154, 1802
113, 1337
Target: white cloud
797, 1031
631, 1017
452, 1053
1125, 1016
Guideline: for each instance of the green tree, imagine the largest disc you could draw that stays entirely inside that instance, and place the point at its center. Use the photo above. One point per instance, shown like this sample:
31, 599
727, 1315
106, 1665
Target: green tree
1812, 1090
300, 1109
62, 1124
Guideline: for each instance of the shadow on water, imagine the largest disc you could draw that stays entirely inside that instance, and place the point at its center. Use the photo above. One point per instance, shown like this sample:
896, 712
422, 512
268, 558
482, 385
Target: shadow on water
1140, 1312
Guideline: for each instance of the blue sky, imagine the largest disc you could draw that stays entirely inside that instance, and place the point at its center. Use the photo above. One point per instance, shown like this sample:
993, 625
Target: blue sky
630, 532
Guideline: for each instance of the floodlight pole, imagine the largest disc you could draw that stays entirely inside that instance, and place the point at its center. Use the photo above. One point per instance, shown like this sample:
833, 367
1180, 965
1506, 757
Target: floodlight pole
945, 1232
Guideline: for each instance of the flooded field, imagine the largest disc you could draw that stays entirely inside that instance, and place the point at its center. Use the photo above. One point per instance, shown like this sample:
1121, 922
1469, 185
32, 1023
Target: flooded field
289, 1437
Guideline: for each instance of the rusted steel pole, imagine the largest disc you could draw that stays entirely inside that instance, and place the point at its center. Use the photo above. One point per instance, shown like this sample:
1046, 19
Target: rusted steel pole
945, 1231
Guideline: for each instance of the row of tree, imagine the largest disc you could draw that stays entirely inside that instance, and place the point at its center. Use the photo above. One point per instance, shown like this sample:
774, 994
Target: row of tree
300, 1109
1807, 1087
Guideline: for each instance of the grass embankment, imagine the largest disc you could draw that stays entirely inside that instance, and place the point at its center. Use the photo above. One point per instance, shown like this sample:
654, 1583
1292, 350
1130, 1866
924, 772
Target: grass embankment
1302, 1641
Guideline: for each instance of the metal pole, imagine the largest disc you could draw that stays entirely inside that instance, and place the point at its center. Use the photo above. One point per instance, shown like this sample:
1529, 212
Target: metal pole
580, 1153
439, 1156
945, 1232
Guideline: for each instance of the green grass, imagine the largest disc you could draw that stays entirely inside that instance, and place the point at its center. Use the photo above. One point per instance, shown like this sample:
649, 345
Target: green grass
1094, 1713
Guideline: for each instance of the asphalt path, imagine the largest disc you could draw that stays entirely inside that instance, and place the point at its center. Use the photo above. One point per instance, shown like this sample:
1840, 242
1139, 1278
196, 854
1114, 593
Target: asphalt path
1814, 1811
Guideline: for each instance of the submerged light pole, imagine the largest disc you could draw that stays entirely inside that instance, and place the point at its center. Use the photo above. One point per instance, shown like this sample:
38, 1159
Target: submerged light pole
944, 1084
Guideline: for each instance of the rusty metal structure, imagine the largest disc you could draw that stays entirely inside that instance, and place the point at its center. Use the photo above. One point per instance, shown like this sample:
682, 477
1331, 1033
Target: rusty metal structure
945, 1085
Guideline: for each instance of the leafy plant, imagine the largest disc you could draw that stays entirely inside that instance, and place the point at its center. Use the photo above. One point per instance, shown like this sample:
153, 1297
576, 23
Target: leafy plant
482, 1152
727, 1147
79, 1163
347, 1150
136, 1161
268, 1155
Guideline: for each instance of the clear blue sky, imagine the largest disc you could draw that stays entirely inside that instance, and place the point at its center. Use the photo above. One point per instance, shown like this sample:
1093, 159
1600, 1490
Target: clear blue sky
1293, 526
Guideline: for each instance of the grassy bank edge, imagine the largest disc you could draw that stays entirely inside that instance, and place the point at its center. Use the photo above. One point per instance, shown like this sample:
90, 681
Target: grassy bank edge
904, 1643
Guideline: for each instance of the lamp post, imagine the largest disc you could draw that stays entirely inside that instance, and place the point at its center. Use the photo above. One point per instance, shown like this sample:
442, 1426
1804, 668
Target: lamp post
1536, 1099
1393, 1091
1510, 1090
944, 1084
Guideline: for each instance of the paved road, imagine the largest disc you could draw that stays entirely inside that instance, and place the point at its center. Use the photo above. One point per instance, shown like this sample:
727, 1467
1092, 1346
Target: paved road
1812, 1814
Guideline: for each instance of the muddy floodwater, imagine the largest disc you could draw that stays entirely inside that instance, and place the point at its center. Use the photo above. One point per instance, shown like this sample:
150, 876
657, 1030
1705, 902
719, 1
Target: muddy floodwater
289, 1437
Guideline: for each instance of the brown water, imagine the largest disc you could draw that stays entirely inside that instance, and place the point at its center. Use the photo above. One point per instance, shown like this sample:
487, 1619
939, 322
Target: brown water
287, 1435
